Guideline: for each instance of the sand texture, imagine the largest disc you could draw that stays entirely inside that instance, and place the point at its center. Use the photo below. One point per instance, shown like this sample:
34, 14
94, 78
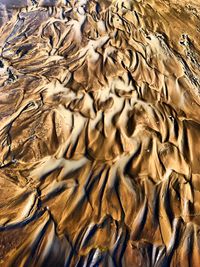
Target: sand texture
99, 133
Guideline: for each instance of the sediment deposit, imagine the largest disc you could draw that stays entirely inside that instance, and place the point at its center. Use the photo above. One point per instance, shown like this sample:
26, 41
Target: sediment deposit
99, 133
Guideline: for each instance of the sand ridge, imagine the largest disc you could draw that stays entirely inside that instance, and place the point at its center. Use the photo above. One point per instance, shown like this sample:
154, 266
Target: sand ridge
99, 127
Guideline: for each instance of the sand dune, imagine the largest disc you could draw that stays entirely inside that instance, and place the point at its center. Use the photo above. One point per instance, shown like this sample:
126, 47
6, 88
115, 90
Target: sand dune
99, 133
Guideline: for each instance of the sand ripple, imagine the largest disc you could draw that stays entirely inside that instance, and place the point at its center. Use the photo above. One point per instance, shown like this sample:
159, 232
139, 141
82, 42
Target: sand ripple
99, 126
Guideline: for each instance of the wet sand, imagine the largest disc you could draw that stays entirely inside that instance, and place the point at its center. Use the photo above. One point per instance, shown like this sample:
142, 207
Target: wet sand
99, 133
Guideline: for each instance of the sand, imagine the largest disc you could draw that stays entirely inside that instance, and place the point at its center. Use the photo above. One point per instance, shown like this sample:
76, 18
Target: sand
99, 133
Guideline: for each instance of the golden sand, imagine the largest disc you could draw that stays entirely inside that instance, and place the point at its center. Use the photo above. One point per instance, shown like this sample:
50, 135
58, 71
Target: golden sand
100, 133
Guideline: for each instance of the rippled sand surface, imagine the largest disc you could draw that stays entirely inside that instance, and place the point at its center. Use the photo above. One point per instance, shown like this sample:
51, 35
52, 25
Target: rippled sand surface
100, 133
